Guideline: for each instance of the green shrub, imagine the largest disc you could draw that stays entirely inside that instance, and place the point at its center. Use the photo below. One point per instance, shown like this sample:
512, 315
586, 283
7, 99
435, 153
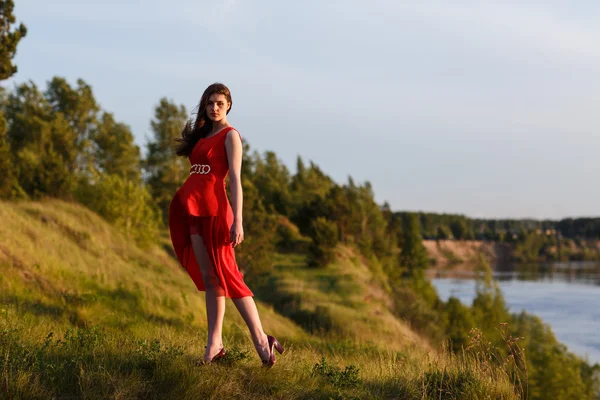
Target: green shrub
126, 204
460, 322
411, 307
289, 238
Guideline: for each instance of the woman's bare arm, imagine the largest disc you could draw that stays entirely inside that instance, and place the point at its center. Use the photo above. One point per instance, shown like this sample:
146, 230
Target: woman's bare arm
233, 146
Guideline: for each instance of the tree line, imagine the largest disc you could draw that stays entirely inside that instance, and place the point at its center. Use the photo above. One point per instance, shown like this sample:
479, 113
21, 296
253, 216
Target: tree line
455, 226
58, 142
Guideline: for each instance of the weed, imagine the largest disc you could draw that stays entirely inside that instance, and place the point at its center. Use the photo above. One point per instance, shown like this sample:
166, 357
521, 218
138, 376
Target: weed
491, 362
235, 355
450, 384
338, 378
82, 338
149, 353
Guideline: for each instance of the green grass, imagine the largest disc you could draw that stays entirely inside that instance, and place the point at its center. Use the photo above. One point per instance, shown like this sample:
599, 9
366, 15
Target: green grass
84, 313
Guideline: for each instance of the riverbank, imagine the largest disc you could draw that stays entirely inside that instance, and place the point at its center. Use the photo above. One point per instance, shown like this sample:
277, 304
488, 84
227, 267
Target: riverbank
445, 254
452, 254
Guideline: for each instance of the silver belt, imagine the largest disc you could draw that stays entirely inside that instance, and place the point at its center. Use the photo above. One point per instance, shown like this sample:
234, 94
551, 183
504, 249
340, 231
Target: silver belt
199, 169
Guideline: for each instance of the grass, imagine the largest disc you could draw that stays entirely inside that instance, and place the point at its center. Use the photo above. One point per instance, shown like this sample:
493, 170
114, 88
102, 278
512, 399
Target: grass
84, 313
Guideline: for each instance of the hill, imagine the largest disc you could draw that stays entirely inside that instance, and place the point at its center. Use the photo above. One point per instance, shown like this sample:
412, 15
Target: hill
85, 313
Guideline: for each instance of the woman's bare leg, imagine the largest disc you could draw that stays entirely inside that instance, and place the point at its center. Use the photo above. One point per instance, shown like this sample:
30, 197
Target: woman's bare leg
215, 299
248, 311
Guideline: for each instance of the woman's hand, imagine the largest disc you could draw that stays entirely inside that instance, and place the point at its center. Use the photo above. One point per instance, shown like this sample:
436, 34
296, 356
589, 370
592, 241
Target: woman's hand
236, 233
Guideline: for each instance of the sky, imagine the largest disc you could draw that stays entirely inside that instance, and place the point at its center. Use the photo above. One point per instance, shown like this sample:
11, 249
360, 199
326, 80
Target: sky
482, 108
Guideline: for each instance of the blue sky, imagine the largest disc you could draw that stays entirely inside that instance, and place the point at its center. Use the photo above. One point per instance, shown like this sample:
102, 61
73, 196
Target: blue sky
488, 109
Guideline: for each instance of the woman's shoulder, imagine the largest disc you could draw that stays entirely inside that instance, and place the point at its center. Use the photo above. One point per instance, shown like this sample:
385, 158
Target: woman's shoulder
232, 133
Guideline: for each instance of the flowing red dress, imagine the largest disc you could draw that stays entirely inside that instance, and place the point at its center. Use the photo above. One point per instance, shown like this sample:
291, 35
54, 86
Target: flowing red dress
200, 206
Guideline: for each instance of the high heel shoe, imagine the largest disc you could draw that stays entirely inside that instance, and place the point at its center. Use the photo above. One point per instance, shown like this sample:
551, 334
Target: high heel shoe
222, 353
273, 343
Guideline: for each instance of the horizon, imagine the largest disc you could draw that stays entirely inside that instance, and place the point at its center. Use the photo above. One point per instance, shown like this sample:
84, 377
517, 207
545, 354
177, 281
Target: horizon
481, 110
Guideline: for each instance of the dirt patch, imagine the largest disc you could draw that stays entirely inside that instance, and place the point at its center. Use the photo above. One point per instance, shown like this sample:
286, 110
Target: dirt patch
445, 253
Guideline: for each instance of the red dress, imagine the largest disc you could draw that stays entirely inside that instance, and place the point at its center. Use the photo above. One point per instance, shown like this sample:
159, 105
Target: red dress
201, 206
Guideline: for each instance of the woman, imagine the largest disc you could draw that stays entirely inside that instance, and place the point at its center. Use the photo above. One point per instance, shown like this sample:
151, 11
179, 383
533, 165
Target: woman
204, 227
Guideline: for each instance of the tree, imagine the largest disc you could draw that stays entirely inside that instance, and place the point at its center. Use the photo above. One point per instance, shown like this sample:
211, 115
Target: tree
80, 109
8, 180
460, 322
272, 179
413, 255
42, 143
460, 229
324, 235
414, 259
306, 186
8, 39
57, 142
255, 254
166, 172
443, 232
114, 150
8, 48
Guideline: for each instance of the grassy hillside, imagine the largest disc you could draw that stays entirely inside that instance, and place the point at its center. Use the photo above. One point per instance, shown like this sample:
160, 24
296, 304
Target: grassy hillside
86, 314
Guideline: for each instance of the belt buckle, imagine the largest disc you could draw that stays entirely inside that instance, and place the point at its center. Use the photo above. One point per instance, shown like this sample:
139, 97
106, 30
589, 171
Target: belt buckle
202, 169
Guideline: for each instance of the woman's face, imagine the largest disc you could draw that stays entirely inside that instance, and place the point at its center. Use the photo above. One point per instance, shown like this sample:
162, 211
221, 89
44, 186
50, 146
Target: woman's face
217, 107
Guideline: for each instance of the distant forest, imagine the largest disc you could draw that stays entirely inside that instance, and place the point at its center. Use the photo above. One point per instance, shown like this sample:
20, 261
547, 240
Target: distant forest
454, 226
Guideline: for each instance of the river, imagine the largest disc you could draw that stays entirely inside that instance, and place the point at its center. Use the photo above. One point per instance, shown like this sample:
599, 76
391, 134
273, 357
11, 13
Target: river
565, 295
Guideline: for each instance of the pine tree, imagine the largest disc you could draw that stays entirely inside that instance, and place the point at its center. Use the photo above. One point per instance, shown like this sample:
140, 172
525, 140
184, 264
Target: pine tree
272, 179
42, 143
8, 49
114, 149
80, 109
8, 39
414, 254
166, 172
7, 178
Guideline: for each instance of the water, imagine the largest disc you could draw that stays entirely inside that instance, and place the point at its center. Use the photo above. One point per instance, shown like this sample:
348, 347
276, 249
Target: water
565, 295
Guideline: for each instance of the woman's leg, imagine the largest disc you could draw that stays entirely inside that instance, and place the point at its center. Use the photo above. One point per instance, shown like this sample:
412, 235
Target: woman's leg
215, 299
248, 311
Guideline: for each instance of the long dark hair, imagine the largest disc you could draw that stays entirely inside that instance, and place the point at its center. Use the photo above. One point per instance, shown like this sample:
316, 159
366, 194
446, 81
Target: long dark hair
202, 127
